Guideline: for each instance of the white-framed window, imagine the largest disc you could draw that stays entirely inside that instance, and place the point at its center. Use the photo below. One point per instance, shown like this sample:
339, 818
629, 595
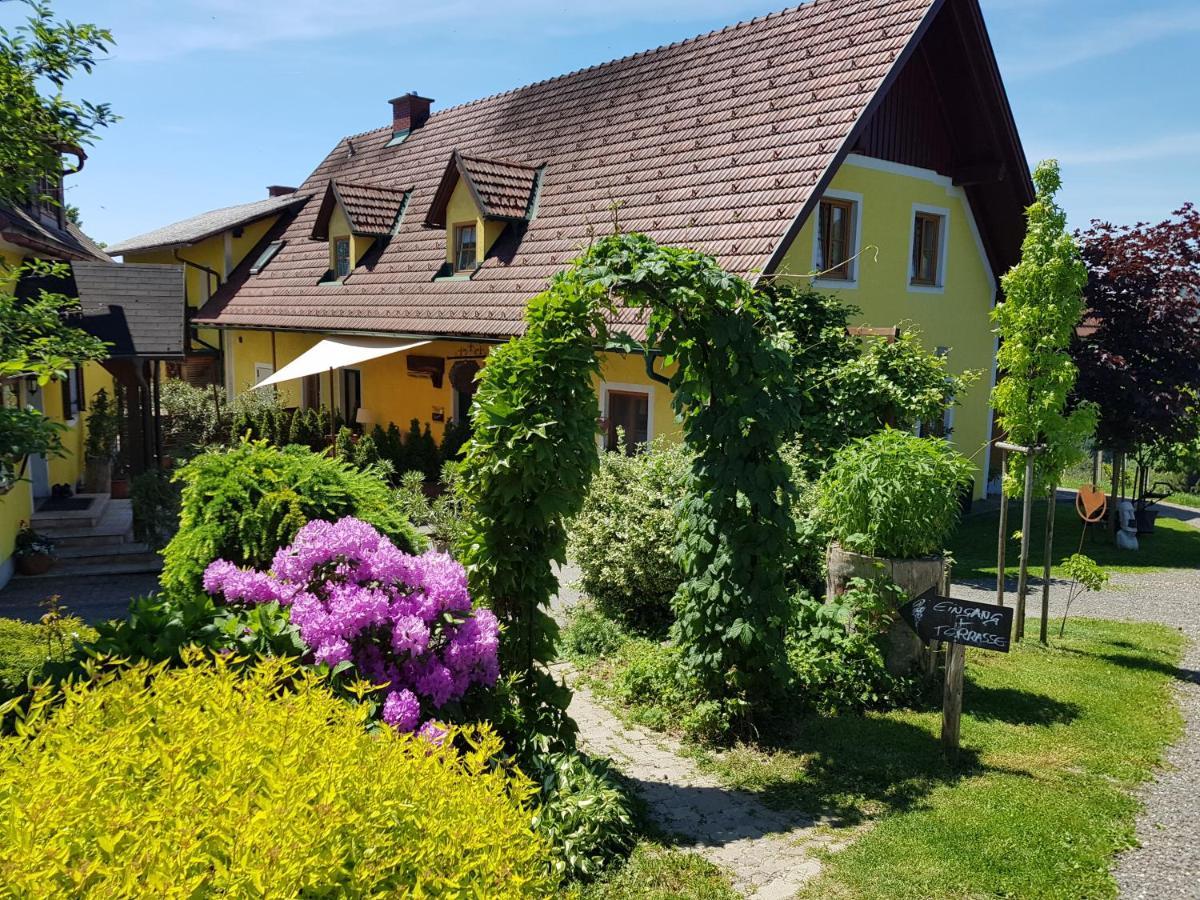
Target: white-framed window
628, 411
945, 427
927, 249
465, 244
837, 239
72, 394
261, 371
341, 257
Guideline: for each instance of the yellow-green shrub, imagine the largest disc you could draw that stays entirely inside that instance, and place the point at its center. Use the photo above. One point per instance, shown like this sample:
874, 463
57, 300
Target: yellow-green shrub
205, 781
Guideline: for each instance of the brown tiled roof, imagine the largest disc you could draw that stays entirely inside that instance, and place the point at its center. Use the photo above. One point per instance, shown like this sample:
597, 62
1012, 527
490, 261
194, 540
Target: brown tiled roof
503, 190
371, 209
716, 142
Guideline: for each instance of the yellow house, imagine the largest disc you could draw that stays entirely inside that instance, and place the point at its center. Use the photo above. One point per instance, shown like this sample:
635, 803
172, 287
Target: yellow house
41, 230
868, 142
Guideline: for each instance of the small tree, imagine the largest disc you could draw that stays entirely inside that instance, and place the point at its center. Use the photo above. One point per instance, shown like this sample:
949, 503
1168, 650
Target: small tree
1043, 303
38, 126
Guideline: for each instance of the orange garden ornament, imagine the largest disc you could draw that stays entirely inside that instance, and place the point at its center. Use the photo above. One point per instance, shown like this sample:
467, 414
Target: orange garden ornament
1091, 503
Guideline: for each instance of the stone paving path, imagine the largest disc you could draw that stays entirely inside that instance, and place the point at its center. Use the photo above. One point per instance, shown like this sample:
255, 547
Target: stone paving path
770, 854
92, 598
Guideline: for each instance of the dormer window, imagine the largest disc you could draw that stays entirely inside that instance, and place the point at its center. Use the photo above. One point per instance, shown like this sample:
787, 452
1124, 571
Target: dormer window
354, 218
465, 253
476, 202
341, 257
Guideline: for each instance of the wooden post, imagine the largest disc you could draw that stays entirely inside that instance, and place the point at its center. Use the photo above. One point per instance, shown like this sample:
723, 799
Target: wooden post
952, 698
1002, 542
1026, 523
1053, 502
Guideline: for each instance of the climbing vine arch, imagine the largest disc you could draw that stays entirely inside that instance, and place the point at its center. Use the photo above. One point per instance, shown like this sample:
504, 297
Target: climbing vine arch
533, 454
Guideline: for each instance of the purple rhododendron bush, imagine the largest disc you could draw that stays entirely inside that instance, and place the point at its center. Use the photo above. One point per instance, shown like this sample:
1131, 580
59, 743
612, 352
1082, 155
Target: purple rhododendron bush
399, 621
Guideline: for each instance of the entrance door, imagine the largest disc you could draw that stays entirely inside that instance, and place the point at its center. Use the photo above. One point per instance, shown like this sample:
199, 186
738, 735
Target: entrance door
628, 411
39, 468
351, 394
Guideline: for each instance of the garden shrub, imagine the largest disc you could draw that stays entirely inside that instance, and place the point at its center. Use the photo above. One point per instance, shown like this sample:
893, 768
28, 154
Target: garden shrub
27, 647
244, 503
590, 633
155, 501
623, 540
894, 494
583, 812
368, 611
836, 649
207, 781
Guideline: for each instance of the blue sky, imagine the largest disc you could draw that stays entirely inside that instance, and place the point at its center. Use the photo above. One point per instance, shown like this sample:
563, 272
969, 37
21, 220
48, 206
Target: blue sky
223, 97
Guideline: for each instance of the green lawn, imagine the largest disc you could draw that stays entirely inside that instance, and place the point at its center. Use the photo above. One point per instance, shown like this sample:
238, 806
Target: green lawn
656, 873
1173, 545
1040, 798
1081, 475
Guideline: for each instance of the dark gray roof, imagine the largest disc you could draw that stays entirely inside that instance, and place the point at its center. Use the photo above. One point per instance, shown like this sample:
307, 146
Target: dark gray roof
44, 239
139, 309
205, 225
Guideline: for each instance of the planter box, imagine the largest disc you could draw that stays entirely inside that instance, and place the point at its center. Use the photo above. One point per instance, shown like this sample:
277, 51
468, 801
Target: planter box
914, 576
34, 563
97, 476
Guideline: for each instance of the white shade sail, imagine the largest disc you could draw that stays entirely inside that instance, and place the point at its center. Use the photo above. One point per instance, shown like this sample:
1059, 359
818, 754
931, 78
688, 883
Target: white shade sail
336, 353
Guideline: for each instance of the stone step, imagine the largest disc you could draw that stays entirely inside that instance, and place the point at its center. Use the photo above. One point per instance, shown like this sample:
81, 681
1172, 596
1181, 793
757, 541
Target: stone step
133, 564
114, 527
73, 518
108, 552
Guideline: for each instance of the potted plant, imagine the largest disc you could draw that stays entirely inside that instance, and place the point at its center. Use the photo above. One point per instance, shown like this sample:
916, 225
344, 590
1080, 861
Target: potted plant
33, 552
119, 484
890, 502
100, 449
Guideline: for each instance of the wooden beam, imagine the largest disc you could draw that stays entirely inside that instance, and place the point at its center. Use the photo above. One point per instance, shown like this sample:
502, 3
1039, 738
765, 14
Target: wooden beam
980, 173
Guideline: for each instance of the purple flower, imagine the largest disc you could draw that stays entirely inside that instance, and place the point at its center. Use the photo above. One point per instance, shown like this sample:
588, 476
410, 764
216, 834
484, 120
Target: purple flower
354, 596
402, 710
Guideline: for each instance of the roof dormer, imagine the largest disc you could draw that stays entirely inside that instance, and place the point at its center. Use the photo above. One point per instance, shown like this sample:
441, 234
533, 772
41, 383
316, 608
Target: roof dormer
352, 218
475, 201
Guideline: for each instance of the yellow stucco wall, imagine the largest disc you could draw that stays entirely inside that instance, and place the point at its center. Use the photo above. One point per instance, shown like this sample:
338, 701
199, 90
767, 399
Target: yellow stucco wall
955, 317
17, 504
393, 395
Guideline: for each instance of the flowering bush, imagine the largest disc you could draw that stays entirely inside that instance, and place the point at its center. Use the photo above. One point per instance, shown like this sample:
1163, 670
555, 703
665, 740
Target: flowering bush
399, 620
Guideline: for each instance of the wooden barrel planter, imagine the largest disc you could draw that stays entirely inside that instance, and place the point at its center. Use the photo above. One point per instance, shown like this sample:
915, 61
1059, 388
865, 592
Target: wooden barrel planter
913, 576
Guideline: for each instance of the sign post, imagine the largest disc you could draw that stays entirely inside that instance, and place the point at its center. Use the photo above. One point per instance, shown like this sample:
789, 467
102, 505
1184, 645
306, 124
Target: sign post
961, 624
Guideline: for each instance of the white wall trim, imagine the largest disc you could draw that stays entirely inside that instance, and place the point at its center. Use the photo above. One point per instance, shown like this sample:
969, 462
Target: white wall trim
844, 283
943, 248
624, 388
895, 168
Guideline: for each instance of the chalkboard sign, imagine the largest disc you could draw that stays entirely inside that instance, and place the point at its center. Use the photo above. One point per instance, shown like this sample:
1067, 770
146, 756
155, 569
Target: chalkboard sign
982, 625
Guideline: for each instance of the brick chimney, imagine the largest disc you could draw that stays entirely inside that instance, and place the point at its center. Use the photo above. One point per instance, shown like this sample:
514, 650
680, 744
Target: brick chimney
409, 112
279, 190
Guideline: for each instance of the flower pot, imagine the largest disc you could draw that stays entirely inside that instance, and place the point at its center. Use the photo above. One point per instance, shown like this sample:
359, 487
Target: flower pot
913, 576
97, 475
34, 563
120, 488
1146, 519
